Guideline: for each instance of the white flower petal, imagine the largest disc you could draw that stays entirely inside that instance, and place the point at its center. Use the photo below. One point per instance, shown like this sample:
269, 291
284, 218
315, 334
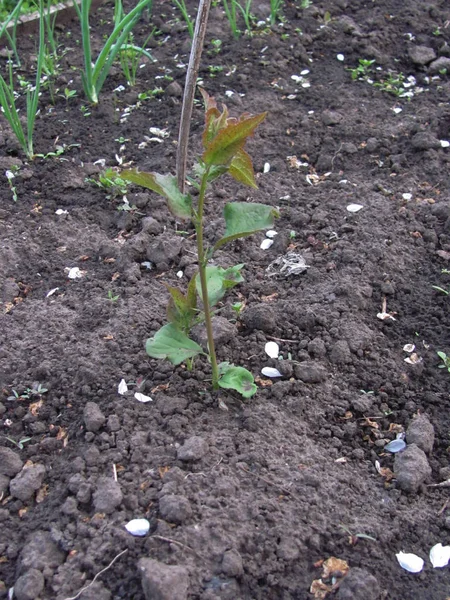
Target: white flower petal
266, 167
142, 397
407, 196
410, 562
138, 527
51, 292
265, 244
74, 273
123, 388
440, 555
272, 349
395, 446
354, 208
397, 110
444, 143
271, 372
340, 57
60, 211
180, 274
271, 233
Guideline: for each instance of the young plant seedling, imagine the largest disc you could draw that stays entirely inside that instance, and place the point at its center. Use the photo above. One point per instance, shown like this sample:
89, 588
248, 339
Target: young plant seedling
445, 361
223, 143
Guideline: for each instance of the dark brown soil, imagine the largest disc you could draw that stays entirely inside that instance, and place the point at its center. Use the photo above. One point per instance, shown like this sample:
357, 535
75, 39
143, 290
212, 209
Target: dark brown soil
274, 479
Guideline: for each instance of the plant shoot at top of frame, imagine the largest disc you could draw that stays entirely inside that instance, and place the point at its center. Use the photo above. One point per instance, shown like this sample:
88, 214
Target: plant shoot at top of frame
223, 140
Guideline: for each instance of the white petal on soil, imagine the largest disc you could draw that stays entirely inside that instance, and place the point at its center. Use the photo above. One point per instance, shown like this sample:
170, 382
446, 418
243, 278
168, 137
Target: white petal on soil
60, 211
265, 244
266, 167
229, 93
123, 388
340, 57
9, 175
180, 274
51, 292
271, 372
138, 527
407, 196
304, 72
271, 233
101, 162
410, 562
444, 143
395, 446
306, 84
272, 349
384, 316
440, 555
409, 348
74, 273
397, 110
354, 208
414, 359
142, 397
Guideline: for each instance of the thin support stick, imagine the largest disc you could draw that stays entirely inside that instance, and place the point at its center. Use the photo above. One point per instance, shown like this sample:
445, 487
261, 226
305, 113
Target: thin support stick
189, 91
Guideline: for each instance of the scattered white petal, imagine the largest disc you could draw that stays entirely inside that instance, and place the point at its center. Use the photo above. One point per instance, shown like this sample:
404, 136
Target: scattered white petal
265, 244
229, 93
51, 292
60, 211
304, 72
291, 97
407, 196
162, 133
119, 88
180, 274
74, 273
142, 397
397, 110
409, 348
296, 78
354, 208
445, 143
271, 372
138, 527
306, 84
9, 175
395, 446
123, 388
410, 562
266, 167
272, 349
310, 112
119, 159
340, 57
440, 555
101, 162
343, 181
414, 359
147, 265
271, 233
384, 316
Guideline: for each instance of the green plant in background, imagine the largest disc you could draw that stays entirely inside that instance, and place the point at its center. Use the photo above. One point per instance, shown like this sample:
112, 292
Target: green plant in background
275, 10
232, 8
181, 5
113, 298
130, 55
112, 182
95, 74
20, 443
445, 361
393, 84
8, 100
223, 143
363, 69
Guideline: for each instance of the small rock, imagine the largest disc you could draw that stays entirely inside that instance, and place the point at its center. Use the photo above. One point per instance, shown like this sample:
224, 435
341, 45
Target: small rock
70, 506
29, 586
421, 432
27, 482
107, 496
151, 226
331, 117
310, 372
260, 316
421, 55
4, 484
340, 353
171, 405
40, 552
93, 417
164, 249
349, 148
92, 456
359, 584
10, 462
10, 290
288, 548
193, 448
163, 582
424, 141
223, 332
439, 65
232, 563
316, 347
411, 468
175, 508
174, 89
372, 145
113, 423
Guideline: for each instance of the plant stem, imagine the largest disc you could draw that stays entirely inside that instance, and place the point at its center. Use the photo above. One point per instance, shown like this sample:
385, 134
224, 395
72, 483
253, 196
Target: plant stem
202, 261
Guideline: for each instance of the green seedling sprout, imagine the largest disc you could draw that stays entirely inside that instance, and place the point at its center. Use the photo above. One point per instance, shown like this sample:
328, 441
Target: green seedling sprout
112, 297
445, 361
354, 537
362, 70
181, 5
223, 152
20, 443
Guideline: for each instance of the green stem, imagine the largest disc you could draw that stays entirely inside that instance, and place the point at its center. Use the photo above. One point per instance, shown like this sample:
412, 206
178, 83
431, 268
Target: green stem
202, 262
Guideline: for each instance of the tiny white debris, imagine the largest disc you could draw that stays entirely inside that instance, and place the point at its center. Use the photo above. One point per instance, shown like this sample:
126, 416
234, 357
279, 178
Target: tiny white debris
138, 527
123, 388
180, 274
384, 316
162, 133
266, 167
407, 196
51, 292
340, 57
354, 208
101, 162
271, 372
306, 84
410, 562
343, 181
444, 143
296, 78
119, 159
9, 175
147, 265
229, 93
440, 555
409, 348
310, 112
119, 88
271, 233
395, 446
397, 109
304, 72
414, 359
74, 273
142, 397
60, 211
265, 244
272, 349
291, 97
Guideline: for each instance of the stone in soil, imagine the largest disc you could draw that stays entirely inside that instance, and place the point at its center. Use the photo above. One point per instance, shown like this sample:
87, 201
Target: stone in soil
29, 585
421, 432
260, 316
10, 462
411, 468
223, 332
163, 582
193, 449
27, 482
93, 417
359, 584
232, 564
421, 55
107, 496
175, 508
40, 553
310, 372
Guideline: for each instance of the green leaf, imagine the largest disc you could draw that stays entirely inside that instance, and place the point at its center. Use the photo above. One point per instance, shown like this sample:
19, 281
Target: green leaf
245, 218
239, 379
230, 139
241, 169
218, 281
180, 204
182, 308
171, 343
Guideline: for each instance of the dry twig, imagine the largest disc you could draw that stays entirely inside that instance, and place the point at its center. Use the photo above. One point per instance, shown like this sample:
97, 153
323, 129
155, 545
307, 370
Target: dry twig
97, 576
